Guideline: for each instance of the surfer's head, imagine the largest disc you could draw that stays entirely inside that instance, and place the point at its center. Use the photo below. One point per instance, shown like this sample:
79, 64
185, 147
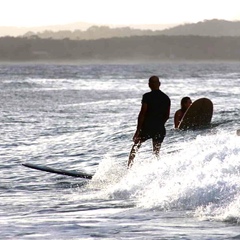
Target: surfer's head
185, 103
154, 83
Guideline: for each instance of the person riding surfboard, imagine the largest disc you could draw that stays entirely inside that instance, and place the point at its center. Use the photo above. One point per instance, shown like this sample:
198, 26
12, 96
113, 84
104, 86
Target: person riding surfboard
154, 113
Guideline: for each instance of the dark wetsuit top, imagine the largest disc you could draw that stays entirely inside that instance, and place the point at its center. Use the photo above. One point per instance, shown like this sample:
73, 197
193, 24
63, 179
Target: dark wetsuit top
158, 107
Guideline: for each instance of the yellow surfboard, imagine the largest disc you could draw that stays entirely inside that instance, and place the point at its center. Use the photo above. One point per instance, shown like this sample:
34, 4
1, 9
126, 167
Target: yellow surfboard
198, 115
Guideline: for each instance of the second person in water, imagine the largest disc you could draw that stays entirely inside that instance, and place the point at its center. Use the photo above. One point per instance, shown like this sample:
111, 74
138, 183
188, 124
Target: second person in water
185, 104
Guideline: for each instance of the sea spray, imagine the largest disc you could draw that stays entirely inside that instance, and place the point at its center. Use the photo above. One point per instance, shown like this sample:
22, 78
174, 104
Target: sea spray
201, 177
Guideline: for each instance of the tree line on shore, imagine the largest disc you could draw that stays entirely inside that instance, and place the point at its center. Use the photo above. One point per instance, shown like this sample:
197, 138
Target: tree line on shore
135, 48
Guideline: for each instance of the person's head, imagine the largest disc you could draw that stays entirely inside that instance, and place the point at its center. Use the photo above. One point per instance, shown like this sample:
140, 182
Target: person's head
185, 103
154, 83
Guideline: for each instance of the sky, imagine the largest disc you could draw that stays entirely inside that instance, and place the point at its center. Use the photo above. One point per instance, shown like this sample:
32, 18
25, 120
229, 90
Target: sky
29, 13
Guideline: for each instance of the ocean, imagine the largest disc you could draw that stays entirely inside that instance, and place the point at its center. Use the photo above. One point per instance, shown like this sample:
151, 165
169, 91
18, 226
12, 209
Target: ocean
83, 117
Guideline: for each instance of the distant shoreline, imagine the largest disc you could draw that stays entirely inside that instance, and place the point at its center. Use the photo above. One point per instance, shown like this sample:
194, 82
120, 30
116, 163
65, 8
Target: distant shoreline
134, 49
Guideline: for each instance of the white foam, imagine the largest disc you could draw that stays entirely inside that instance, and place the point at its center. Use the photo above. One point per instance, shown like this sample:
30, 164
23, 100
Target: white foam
202, 177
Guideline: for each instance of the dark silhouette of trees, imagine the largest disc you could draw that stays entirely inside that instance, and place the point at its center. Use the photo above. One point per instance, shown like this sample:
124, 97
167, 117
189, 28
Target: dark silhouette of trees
136, 48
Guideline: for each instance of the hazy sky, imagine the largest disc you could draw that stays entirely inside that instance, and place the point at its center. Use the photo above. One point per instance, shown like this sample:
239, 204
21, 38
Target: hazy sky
51, 12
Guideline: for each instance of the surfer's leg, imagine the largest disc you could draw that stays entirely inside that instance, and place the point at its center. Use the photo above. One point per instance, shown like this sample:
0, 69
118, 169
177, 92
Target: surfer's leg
157, 141
156, 147
133, 152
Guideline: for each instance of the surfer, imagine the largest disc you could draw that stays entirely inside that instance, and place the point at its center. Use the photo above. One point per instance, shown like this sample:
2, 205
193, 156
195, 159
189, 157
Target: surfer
185, 104
152, 117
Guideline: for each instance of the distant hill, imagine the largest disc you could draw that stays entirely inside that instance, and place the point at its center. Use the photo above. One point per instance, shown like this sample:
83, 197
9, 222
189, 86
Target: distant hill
88, 31
208, 40
214, 28
81, 26
18, 31
92, 33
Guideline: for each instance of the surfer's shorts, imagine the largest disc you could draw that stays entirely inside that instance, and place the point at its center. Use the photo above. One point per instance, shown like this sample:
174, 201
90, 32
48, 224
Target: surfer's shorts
156, 136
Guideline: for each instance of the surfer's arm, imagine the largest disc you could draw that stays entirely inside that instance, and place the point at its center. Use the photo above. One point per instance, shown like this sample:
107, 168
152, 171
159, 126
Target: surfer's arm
167, 115
177, 118
141, 117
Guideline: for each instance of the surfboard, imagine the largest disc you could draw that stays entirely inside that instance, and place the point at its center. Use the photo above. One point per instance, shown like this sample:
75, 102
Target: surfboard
198, 115
58, 171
